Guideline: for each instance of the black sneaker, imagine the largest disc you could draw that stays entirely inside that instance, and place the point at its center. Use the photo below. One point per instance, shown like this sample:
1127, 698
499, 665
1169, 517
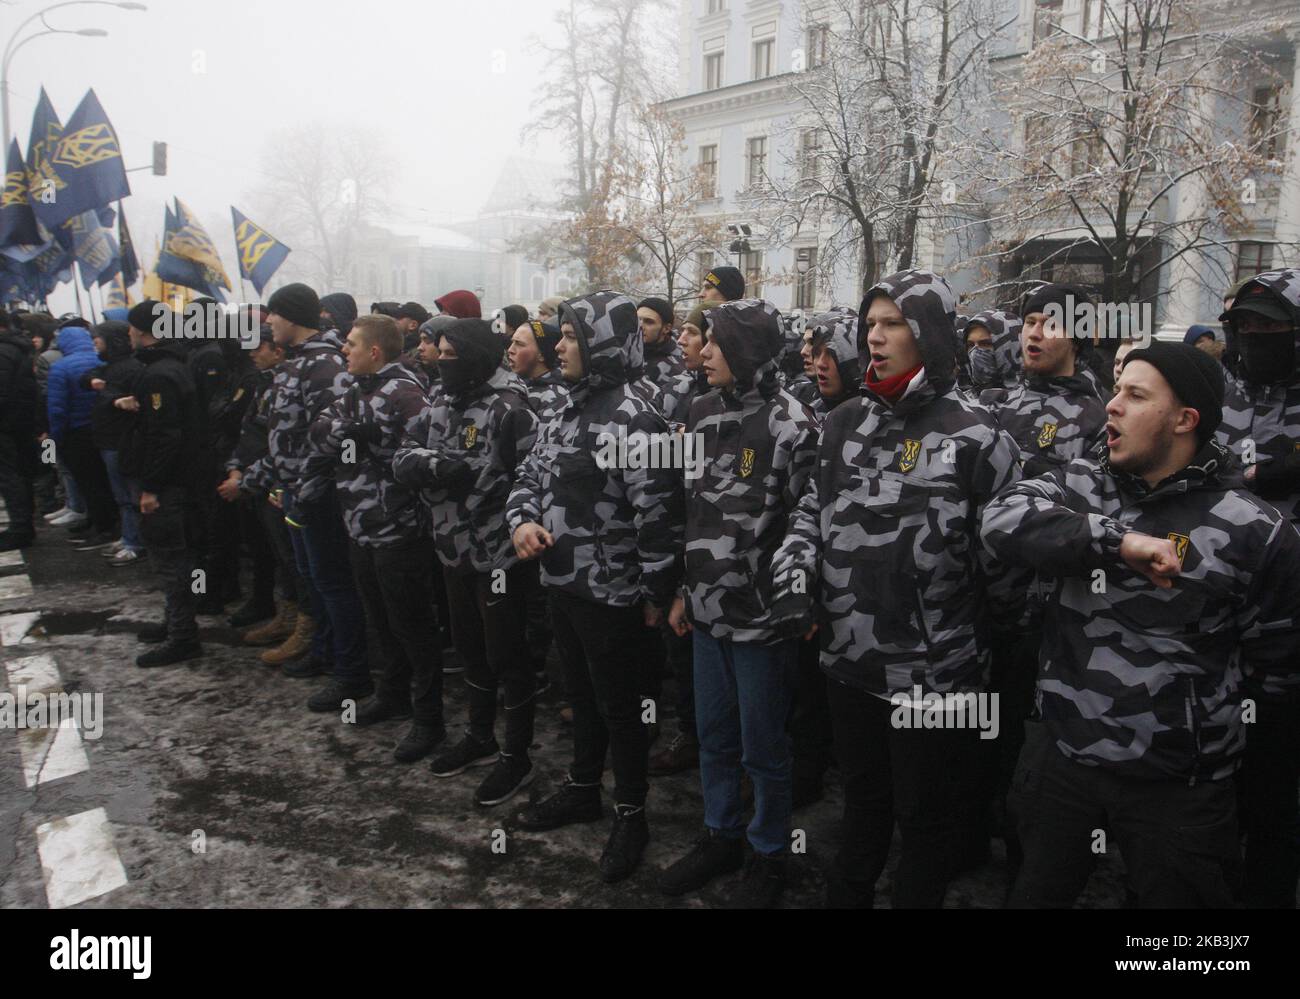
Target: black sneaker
469, 752
569, 805
712, 856
82, 530
627, 841
381, 709
510, 775
168, 654
153, 634
763, 883
13, 540
302, 668
333, 694
420, 740
96, 541
250, 614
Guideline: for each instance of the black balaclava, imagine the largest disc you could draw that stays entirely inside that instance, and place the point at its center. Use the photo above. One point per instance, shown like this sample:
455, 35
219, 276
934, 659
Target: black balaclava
478, 354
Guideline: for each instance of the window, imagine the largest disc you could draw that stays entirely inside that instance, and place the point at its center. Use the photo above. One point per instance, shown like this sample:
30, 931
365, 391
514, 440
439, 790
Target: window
764, 58
818, 40
537, 286
805, 288
1085, 154
810, 150
1094, 13
1265, 113
563, 285
712, 70
751, 265
756, 158
1047, 17
715, 6
708, 171
1252, 259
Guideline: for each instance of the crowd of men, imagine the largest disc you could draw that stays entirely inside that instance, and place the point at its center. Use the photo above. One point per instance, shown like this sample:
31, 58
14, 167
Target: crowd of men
897, 518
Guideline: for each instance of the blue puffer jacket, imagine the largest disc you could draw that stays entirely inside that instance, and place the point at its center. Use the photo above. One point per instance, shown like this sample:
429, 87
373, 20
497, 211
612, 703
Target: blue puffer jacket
69, 404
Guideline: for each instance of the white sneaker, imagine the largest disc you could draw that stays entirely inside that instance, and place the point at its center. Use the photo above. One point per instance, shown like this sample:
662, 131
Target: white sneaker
116, 547
125, 557
69, 519
51, 517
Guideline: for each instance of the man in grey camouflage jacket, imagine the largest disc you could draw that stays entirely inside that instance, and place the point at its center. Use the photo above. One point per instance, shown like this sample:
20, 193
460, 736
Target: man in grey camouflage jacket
392, 557
477, 435
1000, 365
759, 445
311, 378
885, 537
1261, 424
1173, 582
608, 530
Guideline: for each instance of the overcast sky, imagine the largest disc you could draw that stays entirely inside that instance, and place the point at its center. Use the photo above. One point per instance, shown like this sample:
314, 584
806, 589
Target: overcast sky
449, 84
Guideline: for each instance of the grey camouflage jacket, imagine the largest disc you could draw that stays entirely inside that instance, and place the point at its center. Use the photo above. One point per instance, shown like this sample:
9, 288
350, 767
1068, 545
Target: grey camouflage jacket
547, 395
618, 531
887, 524
1138, 679
1052, 420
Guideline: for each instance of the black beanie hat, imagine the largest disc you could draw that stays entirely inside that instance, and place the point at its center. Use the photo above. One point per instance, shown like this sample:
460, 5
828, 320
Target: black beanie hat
661, 307
143, 316
296, 303
413, 310
547, 336
1056, 294
727, 280
512, 317
1195, 377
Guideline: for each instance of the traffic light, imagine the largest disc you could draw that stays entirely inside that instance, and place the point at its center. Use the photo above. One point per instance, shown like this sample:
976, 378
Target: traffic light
160, 159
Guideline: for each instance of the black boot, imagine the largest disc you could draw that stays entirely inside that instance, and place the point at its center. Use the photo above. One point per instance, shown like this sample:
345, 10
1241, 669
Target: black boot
763, 883
250, 613
153, 634
572, 803
333, 694
712, 856
169, 653
627, 841
11, 540
420, 740
381, 709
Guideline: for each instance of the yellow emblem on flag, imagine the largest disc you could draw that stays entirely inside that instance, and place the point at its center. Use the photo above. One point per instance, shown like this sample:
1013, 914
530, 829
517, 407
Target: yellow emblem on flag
911, 451
156, 399
746, 462
253, 244
471, 436
1046, 435
86, 146
1181, 541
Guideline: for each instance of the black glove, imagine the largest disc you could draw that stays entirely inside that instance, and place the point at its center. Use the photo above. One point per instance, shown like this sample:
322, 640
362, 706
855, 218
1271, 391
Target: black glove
791, 615
454, 476
1279, 478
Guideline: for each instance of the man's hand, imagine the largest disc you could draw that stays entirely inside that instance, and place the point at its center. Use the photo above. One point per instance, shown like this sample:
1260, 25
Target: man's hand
808, 635
98, 384
229, 490
531, 540
129, 403
148, 503
677, 618
654, 616
1249, 474
276, 498
1154, 558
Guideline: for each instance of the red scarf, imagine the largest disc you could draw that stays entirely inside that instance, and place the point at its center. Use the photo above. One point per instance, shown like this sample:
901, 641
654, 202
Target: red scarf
890, 389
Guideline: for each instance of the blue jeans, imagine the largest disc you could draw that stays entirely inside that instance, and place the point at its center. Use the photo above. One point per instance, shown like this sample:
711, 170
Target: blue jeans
72, 495
742, 700
127, 494
320, 547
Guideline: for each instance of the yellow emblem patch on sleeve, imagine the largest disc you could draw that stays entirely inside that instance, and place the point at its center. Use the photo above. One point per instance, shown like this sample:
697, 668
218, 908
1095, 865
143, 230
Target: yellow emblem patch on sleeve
471, 436
911, 451
156, 399
746, 462
1046, 435
1181, 541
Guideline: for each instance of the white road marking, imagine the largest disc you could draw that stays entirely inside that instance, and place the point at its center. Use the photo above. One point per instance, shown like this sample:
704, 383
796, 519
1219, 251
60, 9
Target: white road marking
78, 858
10, 559
14, 628
48, 753
15, 586
38, 672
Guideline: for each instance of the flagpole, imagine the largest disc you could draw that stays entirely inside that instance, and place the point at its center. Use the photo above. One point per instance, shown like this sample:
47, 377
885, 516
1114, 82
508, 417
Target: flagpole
243, 291
76, 288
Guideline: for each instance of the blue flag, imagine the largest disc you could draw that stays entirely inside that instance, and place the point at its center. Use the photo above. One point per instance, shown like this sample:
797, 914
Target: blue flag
177, 266
126, 248
93, 247
45, 188
88, 160
51, 268
260, 253
20, 234
192, 242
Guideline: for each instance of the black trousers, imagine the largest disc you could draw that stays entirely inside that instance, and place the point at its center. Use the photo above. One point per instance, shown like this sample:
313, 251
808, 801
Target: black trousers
395, 584
603, 678
252, 530
1179, 842
811, 736
917, 777
489, 613
19, 461
293, 584
168, 536
1267, 800
86, 464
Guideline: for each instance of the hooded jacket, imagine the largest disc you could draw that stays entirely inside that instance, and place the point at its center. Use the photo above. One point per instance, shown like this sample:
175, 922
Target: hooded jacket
998, 366
355, 441
119, 370
547, 395
19, 393
885, 532
1261, 422
663, 362
461, 304
1134, 678
465, 461
158, 449
69, 405
312, 376
1052, 420
837, 331
618, 531
758, 446
342, 311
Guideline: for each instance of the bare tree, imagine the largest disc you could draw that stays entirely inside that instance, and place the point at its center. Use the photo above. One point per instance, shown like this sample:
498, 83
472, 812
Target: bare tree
323, 186
1143, 147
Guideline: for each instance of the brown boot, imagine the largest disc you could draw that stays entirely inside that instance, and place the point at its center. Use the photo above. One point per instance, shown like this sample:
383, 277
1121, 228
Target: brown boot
296, 646
277, 629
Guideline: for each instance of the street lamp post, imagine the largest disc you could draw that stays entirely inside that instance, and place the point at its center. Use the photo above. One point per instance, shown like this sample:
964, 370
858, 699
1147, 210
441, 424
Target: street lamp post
14, 44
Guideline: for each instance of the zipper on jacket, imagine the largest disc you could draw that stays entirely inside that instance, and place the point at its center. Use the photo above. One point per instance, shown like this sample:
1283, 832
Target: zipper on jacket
920, 620
1194, 727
